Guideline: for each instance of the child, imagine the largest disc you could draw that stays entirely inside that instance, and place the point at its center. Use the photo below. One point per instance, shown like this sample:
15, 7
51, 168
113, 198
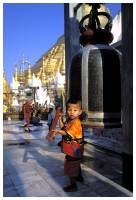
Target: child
72, 140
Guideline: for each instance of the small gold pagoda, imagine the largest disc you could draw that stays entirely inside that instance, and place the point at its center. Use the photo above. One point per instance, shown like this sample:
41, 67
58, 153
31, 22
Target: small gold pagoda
7, 94
47, 66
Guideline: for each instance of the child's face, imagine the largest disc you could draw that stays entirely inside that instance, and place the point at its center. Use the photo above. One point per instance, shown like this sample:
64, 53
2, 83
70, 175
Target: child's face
74, 110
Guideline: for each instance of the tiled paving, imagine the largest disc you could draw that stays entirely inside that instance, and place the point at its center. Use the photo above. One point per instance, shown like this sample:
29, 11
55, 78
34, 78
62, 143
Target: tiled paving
35, 169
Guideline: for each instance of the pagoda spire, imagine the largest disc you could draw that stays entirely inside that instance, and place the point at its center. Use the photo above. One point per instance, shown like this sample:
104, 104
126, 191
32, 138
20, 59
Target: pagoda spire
15, 73
6, 91
21, 74
5, 83
29, 75
21, 77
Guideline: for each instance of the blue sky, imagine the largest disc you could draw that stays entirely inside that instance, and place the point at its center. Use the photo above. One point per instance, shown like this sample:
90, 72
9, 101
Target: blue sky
31, 29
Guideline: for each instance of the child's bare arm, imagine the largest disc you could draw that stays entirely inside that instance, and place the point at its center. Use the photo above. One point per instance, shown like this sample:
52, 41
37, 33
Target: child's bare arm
55, 131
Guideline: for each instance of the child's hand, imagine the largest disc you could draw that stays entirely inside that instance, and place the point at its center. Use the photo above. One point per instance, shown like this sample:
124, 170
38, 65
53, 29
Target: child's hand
56, 131
50, 137
52, 132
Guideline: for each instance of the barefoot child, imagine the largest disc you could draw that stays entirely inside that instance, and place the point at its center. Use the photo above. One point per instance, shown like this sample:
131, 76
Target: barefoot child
72, 144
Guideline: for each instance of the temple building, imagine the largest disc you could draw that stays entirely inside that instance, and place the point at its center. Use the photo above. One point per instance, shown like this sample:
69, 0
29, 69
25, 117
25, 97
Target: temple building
42, 82
7, 94
47, 75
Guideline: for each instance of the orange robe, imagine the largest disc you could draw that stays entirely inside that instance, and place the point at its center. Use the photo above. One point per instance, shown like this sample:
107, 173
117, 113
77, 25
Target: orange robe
27, 113
74, 129
72, 141
73, 147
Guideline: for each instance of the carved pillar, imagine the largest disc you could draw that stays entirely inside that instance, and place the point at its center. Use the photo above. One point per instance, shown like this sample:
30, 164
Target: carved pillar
71, 37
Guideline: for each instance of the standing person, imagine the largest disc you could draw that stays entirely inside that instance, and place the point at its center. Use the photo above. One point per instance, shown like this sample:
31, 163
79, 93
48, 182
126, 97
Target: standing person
72, 135
50, 118
27, 114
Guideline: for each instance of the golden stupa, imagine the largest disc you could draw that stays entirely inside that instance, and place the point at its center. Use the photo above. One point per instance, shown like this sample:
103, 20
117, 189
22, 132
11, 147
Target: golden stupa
49, 64
7, 94
53, 60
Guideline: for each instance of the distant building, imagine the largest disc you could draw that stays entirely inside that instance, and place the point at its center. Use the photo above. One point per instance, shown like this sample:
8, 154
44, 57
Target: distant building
48, 73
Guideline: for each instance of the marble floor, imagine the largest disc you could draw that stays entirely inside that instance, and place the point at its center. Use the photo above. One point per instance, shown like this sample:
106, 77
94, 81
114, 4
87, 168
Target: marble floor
33, 167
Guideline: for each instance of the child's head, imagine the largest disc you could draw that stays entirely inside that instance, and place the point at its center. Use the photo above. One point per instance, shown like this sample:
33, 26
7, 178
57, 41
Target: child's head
74, 109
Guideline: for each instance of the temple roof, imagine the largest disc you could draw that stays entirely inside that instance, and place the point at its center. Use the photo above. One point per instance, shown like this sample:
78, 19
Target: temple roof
53, 60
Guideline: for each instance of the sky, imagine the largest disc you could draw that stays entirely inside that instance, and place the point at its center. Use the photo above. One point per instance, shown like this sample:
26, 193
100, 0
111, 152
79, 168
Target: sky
31, 29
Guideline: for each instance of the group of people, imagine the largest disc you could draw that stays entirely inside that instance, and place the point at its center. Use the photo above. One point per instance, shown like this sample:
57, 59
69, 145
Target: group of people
32, 114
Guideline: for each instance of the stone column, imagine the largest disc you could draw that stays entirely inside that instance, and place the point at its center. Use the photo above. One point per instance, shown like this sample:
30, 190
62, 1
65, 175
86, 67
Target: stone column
72, 34
127, 93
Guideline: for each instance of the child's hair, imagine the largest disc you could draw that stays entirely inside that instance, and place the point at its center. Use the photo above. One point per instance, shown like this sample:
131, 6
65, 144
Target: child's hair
74, 101
83, 115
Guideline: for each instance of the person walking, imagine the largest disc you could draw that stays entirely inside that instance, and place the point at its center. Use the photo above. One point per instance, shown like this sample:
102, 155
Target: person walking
27, 114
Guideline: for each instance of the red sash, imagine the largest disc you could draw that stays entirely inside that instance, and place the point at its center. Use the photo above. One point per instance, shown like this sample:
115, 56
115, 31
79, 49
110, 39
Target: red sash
72, 149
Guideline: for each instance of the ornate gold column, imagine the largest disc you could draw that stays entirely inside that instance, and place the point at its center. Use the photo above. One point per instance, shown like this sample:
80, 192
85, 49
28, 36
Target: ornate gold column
7, 95
21, 76
29, 74
15, 73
